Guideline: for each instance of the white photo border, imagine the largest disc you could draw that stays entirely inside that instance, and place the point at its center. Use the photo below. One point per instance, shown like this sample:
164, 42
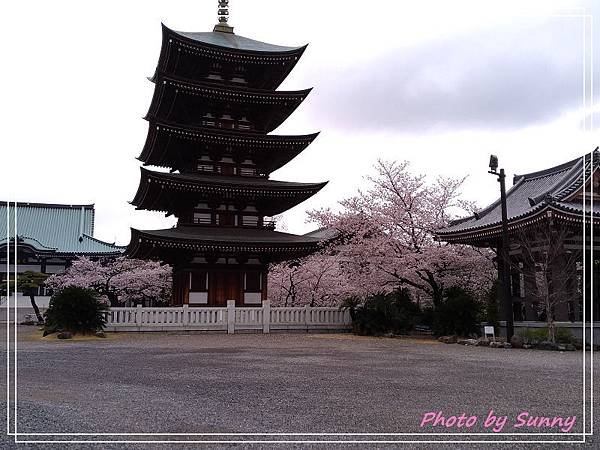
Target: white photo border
587, 19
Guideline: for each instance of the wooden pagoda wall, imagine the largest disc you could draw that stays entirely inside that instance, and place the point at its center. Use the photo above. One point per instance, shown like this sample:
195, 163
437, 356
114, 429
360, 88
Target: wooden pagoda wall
214, 285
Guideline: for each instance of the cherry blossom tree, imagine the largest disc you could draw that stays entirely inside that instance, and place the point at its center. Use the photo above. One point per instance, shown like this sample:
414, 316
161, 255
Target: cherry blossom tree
118, 280
388, 235
317, 280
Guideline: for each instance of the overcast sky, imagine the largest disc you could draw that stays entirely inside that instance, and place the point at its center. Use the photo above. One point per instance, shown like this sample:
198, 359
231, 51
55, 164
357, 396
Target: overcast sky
441, 84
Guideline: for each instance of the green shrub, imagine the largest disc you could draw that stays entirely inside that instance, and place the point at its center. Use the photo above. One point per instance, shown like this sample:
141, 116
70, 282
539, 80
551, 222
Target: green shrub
457, 314
75, 309
537, 335
533, 335
382, 313
491, 305
564, 336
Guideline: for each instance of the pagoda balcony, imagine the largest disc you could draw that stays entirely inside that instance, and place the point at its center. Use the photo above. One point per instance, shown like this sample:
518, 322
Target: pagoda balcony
269, 224
207, 222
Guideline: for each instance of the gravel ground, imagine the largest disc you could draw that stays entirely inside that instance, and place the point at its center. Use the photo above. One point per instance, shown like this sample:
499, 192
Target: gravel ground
279, 383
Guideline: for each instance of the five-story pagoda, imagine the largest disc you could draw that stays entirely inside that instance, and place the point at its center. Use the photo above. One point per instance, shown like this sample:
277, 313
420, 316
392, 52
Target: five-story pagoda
214, 103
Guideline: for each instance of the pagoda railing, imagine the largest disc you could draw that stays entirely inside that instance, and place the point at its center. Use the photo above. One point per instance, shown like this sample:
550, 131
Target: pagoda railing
268, 224
227, 319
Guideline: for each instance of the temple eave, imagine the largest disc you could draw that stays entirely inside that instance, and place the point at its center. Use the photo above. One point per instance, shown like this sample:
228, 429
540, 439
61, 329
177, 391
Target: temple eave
493, 231
218, 240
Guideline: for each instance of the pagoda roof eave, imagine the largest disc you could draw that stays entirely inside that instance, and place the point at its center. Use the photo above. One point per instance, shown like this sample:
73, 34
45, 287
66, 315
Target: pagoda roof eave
283, 195
273, 63
231, 240
282, 148
274, 106
247, 182
227, 89
233, 136
233, 43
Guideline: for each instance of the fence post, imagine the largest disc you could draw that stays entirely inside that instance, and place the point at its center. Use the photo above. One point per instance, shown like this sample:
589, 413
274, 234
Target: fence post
186, 317
138, 315
266, 312
230, 316
306, 316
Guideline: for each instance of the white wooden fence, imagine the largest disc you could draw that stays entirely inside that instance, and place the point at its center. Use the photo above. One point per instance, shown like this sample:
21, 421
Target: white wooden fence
229, 319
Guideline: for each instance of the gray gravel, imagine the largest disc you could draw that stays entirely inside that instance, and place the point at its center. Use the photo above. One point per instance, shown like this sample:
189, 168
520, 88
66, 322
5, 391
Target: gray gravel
278, 383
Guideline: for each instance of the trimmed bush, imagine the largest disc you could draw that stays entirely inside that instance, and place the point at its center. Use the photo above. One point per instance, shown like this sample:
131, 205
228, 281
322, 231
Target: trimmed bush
75, 309
537, 335
382, 313
457, 315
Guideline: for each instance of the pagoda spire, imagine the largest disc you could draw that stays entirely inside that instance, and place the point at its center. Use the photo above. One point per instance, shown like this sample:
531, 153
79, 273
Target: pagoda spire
223, 15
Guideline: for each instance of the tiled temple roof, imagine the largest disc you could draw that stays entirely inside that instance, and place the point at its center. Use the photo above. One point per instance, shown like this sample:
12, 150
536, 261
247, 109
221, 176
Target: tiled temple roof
56, 229
530, 195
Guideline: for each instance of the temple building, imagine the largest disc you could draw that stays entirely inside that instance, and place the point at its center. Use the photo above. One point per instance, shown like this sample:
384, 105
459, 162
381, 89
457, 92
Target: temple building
551, 214
215, 103
49, 237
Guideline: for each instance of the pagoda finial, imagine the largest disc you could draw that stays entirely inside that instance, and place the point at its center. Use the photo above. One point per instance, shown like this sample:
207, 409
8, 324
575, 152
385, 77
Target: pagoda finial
223, 14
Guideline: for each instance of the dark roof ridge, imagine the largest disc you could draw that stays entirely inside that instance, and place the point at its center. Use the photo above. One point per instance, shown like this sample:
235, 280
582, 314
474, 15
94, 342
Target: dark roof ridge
576, 181
461, 220
550, 170
275, 49
567, 180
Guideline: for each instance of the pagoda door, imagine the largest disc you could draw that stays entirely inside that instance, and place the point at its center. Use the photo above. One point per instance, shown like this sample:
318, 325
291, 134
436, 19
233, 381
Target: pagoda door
224, 286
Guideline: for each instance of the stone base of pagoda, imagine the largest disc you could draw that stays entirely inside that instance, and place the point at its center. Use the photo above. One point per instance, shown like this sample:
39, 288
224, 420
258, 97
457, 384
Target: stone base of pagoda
213, 285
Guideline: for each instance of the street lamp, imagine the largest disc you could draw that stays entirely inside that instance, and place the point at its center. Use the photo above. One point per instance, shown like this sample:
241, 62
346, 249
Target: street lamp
506, 294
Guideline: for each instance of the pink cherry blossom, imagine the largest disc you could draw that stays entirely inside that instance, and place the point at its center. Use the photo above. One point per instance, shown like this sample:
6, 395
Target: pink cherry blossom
118, 280
387, 240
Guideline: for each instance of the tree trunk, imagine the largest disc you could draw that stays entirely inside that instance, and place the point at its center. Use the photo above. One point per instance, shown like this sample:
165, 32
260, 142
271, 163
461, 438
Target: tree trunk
551, 330
113, 299
36, 309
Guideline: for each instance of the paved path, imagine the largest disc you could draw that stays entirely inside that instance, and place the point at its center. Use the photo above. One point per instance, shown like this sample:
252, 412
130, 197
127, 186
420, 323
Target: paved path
245, 383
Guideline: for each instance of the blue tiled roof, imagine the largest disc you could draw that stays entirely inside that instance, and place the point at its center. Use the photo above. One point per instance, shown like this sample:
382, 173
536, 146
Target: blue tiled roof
61, 229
